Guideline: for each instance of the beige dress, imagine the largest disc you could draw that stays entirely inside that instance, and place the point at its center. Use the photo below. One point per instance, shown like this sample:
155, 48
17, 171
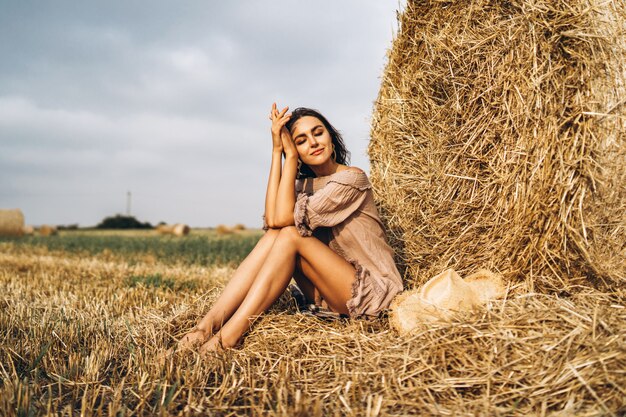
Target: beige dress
339, 209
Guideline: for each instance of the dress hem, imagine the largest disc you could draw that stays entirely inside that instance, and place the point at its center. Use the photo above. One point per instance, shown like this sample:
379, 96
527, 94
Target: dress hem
360, 275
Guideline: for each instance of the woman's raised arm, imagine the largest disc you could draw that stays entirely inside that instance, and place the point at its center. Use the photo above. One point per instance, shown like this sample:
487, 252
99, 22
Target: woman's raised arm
278, 122
286, 196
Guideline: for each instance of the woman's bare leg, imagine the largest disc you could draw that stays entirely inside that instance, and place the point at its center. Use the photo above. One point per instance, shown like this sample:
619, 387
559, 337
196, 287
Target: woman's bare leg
306, 286
234, 292
330, 274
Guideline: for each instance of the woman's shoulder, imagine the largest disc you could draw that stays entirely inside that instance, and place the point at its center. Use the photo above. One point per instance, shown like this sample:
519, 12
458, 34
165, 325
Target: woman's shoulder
354, 170
351, 176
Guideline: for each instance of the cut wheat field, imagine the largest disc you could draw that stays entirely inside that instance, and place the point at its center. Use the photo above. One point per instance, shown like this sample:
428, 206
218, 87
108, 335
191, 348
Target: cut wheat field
85, 316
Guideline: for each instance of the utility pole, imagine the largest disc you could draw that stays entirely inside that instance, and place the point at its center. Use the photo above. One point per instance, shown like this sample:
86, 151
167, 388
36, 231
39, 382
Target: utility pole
128, 196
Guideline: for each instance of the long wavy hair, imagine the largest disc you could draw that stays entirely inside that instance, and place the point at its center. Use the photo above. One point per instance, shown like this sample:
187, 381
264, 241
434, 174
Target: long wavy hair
342, 154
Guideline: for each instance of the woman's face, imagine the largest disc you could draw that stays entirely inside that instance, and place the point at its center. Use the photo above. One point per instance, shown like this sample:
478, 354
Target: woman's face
312, 140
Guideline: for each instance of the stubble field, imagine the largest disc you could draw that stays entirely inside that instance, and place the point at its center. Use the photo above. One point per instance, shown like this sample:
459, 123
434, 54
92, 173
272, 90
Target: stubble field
85, 315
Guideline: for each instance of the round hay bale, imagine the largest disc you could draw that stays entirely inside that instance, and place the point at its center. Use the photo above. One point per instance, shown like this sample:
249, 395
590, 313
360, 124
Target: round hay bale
239, 227
47, 230
223, 230
28, 230
164, 229
11, 222
499, 140
180, 230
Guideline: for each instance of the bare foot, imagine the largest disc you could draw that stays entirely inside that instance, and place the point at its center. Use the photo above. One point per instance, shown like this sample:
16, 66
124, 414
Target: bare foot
218, 343
192, 339
214, 344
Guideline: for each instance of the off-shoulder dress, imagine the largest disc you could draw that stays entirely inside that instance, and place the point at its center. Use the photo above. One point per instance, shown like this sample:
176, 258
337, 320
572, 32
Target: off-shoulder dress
339, 209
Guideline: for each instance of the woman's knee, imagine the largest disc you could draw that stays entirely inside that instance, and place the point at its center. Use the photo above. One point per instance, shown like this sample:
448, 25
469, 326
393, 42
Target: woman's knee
287, 234
270, 234
290, 233
266, 241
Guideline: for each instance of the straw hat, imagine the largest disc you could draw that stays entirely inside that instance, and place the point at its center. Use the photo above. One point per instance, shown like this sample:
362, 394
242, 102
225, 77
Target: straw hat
442, 296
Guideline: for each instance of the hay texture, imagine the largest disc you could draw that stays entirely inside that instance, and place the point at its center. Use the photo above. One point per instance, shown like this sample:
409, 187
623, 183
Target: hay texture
498, 140
526, 355
11, 222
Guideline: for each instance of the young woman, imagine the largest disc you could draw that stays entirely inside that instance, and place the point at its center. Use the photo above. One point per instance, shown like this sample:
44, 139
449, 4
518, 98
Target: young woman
322, 229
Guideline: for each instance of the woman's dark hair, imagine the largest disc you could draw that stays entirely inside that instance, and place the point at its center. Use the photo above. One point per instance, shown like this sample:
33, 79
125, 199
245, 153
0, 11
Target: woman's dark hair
343, 155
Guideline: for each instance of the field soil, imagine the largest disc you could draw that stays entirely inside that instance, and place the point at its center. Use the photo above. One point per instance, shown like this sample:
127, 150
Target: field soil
85, 318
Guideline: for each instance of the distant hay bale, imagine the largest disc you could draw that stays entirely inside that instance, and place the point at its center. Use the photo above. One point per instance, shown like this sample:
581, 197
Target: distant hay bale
239, 227
178, 229
11, 222
499, 140
164, 229
28, 230
47, 230
223, 230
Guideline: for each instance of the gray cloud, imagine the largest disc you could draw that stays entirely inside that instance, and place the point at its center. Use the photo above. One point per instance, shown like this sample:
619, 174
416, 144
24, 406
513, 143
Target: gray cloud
170, 100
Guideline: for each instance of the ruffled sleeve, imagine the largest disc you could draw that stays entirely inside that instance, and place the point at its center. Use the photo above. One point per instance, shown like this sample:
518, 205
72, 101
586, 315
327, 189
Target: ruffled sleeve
300, 217
342, 195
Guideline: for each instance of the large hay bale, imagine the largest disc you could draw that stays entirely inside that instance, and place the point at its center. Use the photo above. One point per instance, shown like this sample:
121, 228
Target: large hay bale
11, 222
498, 140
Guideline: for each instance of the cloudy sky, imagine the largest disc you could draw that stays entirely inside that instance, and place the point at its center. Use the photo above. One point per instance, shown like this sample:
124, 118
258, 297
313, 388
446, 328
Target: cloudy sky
169, 100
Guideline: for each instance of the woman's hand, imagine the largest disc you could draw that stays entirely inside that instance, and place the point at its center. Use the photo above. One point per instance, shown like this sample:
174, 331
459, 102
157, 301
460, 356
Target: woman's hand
287, 142
279, 119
